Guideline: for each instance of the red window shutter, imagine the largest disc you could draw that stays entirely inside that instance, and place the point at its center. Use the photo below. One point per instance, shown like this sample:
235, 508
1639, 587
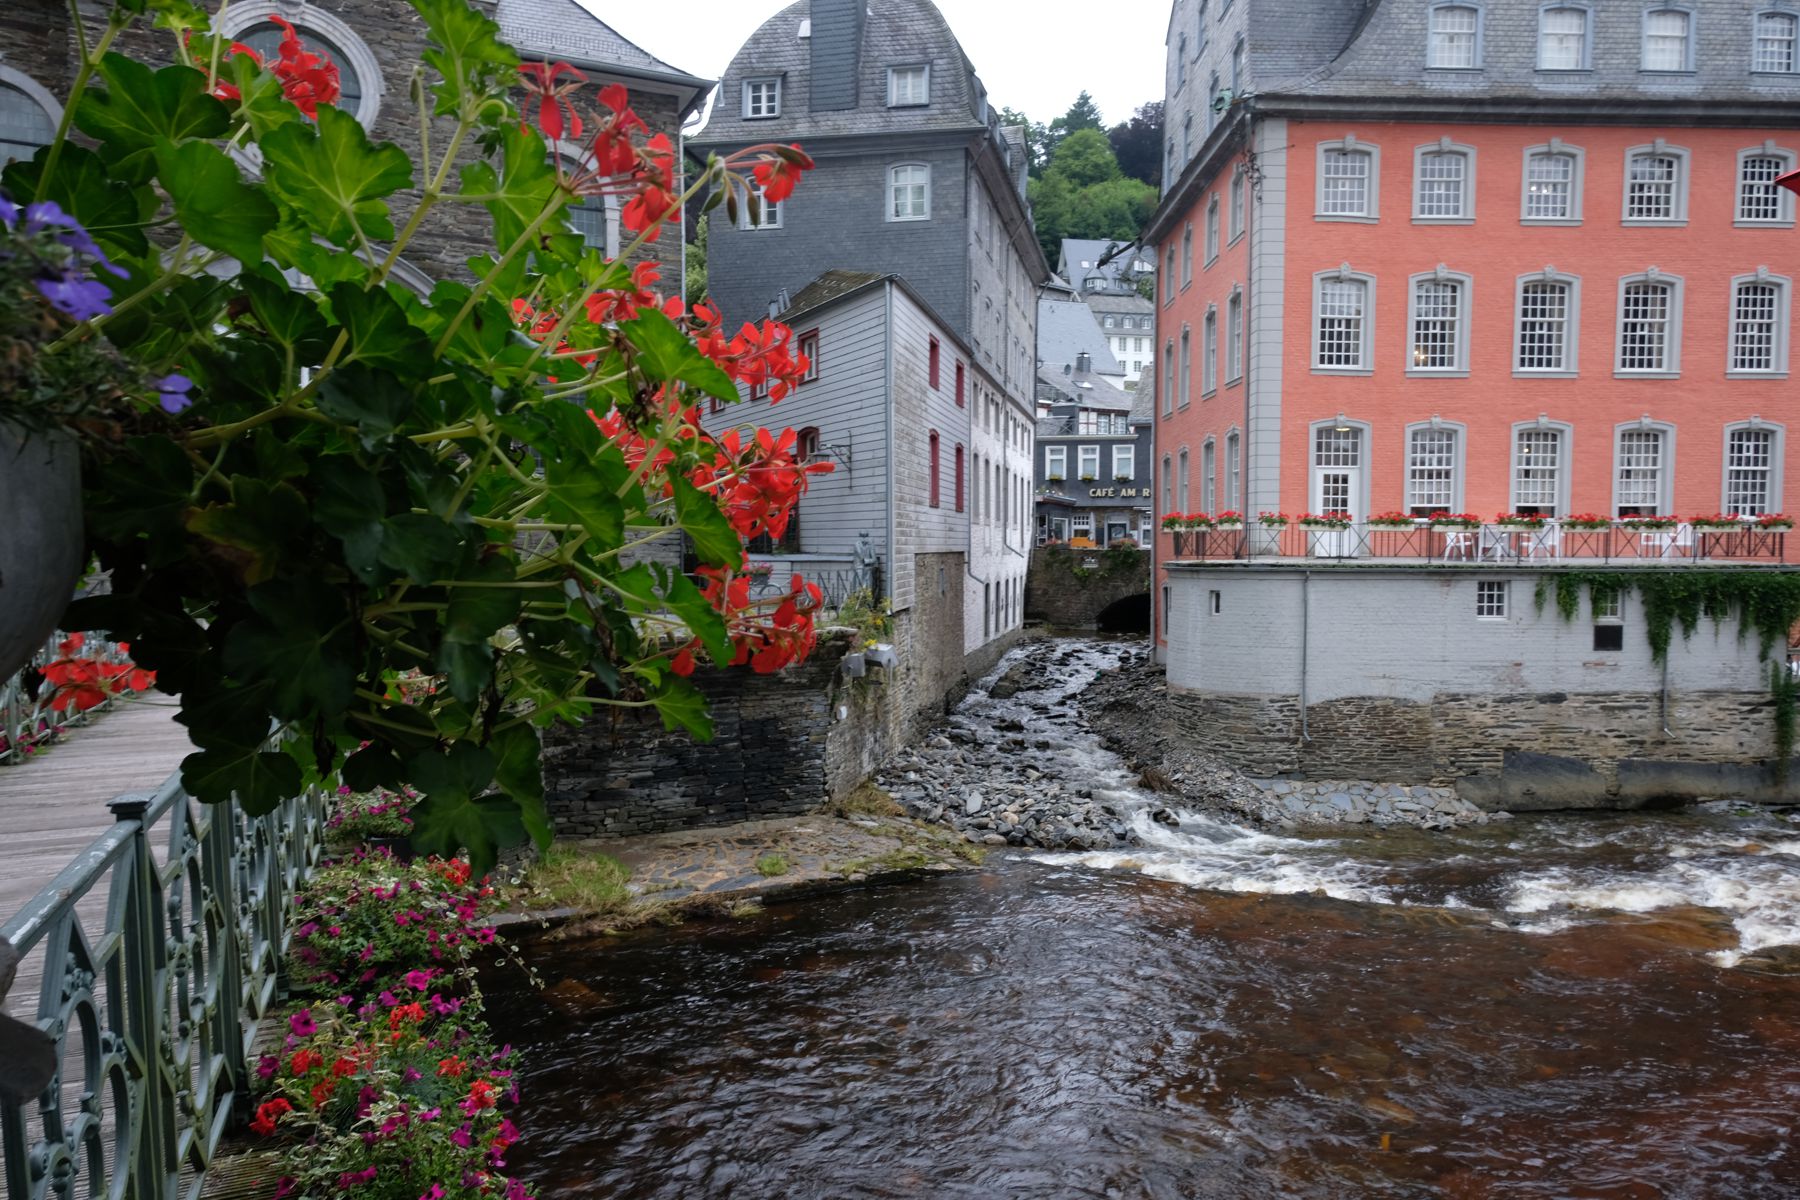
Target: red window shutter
935, 356
959, 385
959, 479
935, 471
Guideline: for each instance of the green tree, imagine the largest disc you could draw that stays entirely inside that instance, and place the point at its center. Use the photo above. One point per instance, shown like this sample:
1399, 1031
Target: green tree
1084, 158
1083, 114
693, 283
1036, 135
1083, 194
1138, 143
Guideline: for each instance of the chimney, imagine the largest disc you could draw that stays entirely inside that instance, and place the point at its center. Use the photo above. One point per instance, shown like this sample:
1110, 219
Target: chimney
835, 52
1084, 362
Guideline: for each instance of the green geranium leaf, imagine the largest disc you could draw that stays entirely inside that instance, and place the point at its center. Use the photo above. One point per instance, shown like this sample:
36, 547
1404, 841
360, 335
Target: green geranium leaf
666, 355
333, 179
259, 779
212, 200
114, 212
290, 317
380, 333
373, 766
469, 667
466, 51
715, 541
262, 520
140, 109
293, 245
454, 813
372, 401
352, 506
222, 716
682, 707
298, 641
522, 188
153, 507
262, 104
586, 494
518, 769
698, 614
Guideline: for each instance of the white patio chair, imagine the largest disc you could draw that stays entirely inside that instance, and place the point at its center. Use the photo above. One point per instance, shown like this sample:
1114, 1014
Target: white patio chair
1458, 543
1670, 543
1545, 542
1496, 543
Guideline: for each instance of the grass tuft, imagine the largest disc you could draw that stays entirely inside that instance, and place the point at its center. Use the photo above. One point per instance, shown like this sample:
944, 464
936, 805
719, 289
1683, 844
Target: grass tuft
866, 801
594, 882
772, 864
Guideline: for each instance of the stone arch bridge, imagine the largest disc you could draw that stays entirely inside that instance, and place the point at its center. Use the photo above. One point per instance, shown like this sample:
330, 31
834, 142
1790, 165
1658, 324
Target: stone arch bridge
1090, 589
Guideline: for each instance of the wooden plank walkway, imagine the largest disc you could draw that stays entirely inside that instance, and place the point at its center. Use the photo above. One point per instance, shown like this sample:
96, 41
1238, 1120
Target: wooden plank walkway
53, 806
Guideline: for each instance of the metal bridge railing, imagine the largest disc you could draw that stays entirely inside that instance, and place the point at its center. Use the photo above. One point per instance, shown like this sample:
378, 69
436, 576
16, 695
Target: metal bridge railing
156, 954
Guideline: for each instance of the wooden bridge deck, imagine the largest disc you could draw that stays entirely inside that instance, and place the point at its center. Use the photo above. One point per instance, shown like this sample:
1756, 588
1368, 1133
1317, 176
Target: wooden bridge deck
53, 806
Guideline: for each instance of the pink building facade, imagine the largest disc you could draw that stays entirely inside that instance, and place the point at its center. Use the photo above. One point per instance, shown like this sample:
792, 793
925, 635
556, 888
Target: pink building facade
1476, 258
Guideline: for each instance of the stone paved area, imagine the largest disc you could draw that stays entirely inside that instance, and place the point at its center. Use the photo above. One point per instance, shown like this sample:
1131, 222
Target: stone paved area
818, 851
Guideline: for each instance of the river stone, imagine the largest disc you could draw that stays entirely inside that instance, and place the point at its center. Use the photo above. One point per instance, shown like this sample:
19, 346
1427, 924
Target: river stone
973, 802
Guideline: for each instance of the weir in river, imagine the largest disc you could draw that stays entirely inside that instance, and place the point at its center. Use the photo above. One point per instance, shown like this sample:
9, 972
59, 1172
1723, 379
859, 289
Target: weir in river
1559, 1005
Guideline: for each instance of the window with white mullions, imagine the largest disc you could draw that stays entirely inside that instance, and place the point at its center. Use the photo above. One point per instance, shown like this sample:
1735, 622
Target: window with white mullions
1056, 462
1089, 457
909, 86
1490, 598
1208, 474
1755, 310
1209, 351
1749, 470
1237, 203
1443, 185
1437, 325
1342, 314
1231, 471
1544, 327
1775, 37
1562, 39
1650, 187
1430, 471
1124, 464
1758, 197
1345, 191
762, 98
1234, 336
1641, 464
1537, 471
1667, 36
1644, 323
909, 192
25, 124
1453, 29
1550, 187
1181, 481
1337, 465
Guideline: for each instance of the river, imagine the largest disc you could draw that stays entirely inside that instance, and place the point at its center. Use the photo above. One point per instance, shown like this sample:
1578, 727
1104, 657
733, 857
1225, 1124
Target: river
1554, 1006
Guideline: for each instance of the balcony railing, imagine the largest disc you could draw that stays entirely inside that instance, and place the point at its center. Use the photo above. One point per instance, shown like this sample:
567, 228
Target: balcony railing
1484, 544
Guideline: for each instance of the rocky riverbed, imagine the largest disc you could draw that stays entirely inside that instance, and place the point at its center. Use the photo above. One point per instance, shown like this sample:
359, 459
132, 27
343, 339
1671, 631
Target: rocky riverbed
1061, 748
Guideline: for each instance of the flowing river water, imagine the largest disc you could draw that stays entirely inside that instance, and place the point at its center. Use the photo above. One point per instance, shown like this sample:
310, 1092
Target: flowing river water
1554, 1006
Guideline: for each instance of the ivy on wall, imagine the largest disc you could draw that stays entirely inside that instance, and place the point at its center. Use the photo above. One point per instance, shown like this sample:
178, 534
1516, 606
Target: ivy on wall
1765, 601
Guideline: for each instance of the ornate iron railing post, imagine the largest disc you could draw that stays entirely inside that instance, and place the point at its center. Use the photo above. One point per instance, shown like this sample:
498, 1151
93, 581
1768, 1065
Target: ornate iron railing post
149, 1164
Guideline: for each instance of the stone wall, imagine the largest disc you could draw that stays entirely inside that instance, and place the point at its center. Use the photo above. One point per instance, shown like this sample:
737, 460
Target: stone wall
1063, 592
1513, 751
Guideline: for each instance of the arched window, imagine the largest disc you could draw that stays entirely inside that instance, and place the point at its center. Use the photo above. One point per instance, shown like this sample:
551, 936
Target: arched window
1644, 469
909, 192
1552, 184
1455, 37
1343, 335
1759, 201
322, 32
936, 468
28, 116
1650, 324
1444, 182
1759, 325
1540, 467
1753, 458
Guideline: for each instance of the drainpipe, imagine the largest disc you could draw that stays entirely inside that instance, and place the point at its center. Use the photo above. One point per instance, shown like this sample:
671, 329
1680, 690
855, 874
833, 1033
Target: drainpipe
1305, 624
1667, 732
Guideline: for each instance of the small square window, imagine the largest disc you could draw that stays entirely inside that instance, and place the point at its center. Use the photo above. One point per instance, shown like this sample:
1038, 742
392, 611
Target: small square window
762, 98
1609, 637
909, 86
1609, 605
1490, 599
809, 346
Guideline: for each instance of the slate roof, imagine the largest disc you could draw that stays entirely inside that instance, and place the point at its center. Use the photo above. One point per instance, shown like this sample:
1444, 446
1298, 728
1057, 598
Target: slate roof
894, 33
1110, 302
1076, 251
562, 30
1143, 400
832, 285
1066, 328
1089, 390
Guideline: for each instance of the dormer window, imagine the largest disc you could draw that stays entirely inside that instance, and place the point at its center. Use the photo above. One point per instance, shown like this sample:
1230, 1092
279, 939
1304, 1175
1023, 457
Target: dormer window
909, 87
762, 98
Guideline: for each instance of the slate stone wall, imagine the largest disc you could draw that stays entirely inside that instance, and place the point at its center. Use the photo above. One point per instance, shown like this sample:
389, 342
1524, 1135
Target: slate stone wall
1057, 595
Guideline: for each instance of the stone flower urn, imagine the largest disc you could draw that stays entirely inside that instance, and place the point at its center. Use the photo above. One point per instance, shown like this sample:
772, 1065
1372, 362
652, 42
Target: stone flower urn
40, 538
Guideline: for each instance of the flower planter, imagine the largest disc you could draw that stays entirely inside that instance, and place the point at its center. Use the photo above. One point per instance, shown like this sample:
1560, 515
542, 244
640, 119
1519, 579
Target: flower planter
854, 666
40, 558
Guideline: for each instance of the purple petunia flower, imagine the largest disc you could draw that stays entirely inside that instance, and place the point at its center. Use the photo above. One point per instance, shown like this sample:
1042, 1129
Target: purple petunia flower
418, 981
9, 212
173, 390
302, 1023
83, 299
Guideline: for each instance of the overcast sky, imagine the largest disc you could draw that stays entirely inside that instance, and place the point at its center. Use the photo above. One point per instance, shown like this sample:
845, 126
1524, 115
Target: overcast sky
1034, 57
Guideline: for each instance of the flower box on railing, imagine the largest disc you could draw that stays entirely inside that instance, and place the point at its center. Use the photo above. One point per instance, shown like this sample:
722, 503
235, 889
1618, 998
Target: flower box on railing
1648, 522
1586, 522
1392, 520
1229, 520
1455, 521
1717, 523
1330, 520
1521, 522
1775, 521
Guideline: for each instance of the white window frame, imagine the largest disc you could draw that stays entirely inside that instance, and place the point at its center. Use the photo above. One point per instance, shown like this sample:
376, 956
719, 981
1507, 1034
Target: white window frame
1465, 288
1168, 487
923, 71
1665, 471
1126, 453
772, 82
1168, 378
1458, 435
1234, 336
1571, 356
1671, 367
1565, 457
1777, 456
1236, 222
1209, 351
1554, 148
1209, 473
1169, 284
1465, 214
1056, 461
769, 215
1679, 199
1187, 254
1181, 480
35, 92
893, 184
1371, 157
1212, 230
1366, 363
1784, 207
1233, 469
1585, 56
1084, 456
1432, 33
1793, 40
1782, 323
1491, 599
1688, 37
